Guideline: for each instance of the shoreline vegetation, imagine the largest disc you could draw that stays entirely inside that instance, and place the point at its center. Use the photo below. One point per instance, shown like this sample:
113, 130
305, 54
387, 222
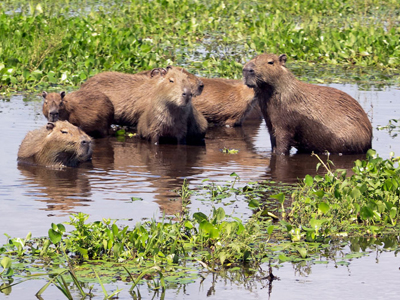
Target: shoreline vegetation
311, 223
51, 43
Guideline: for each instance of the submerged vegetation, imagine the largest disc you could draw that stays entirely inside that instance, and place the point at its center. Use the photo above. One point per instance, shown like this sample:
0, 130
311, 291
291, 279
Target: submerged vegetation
311, 223
62, 42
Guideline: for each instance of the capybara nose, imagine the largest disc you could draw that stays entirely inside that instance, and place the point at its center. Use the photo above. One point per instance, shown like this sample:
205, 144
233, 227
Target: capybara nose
201, 86
53, 116
85, 142
248, 71
187, 94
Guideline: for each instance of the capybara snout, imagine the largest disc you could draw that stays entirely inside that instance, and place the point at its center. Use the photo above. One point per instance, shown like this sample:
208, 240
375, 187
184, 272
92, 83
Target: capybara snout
186, 95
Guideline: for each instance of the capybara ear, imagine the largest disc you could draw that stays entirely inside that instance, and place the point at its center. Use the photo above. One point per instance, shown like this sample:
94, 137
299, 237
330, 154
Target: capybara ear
282, 59
168, 68
62, 94
44, 94
50, 126
155, 72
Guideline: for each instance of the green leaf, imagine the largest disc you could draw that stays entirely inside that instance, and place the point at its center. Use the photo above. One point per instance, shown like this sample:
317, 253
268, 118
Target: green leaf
200, 217
254, 203
302, 251
323, 207
6, 262
55, 236
308, 180
280, 197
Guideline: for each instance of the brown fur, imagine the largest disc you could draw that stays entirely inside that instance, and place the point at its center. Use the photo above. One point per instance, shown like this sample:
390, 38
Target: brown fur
306, 116
56, 145
92, 111
169, 115
225, 101
129, 92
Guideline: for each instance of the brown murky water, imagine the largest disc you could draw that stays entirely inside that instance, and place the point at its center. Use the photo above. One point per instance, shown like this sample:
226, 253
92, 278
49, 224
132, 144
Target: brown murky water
31, 198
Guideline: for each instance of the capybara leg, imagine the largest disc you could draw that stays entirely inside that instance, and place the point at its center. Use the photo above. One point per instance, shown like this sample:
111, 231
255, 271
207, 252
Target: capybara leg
282, 143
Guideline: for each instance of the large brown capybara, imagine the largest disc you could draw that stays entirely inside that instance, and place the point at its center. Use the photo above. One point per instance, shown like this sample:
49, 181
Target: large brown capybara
56, 145
225, 102
169, 116
128, 92
92, 111
305, 116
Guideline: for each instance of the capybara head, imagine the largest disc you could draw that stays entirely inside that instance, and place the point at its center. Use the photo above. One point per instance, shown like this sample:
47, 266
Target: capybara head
264, 69
195, 82
53, 106
173, 85
56, 144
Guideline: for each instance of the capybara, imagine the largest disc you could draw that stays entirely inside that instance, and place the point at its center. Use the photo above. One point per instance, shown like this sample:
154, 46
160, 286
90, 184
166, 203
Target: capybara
56, 145
306, 116
169, 116
129, 92
225, 101
92, 111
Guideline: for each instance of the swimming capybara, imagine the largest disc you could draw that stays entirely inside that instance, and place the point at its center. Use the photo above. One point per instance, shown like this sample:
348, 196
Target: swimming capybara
128, 92
57, 145
92, 111
225, 101
306, 116
169, 116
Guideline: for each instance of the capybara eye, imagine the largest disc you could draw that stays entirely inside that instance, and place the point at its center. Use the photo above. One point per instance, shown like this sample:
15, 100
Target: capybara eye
271, 62
171, 80
64, 131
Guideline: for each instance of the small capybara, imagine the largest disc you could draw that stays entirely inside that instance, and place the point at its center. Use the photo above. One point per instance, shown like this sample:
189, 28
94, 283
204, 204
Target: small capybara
92, 111
306, 116
169, 116
128, 92
225, 102
56, 145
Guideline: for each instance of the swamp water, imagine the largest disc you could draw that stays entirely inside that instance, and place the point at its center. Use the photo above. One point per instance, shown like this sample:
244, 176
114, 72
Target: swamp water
31, 198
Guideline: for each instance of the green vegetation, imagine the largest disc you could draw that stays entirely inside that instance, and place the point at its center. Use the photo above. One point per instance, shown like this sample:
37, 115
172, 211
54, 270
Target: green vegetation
47, 43
325, 214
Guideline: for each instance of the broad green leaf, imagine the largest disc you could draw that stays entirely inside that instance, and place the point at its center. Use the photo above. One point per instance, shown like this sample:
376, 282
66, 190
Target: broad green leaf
308, 180
6, 262
323, 207
55, 236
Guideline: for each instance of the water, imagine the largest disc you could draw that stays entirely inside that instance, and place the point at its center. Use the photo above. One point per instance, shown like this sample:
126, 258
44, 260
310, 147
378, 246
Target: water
34, 197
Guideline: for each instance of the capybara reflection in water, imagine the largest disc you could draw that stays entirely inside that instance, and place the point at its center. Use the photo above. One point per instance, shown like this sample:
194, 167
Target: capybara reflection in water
225, 101
129, 92
56, 145
169, 116
92, 111
305, 116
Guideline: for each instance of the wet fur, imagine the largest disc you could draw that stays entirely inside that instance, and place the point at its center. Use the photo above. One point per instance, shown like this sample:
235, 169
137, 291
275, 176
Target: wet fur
168, 116
225, 101
129, 92
306, 116
92, 111
56, 145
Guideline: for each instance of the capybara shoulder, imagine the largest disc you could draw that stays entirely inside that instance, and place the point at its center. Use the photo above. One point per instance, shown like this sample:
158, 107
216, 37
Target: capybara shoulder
305, 116
56, 145
90, 110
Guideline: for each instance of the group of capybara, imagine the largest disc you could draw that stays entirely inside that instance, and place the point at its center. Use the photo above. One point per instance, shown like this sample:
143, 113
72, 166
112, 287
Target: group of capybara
171, 105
